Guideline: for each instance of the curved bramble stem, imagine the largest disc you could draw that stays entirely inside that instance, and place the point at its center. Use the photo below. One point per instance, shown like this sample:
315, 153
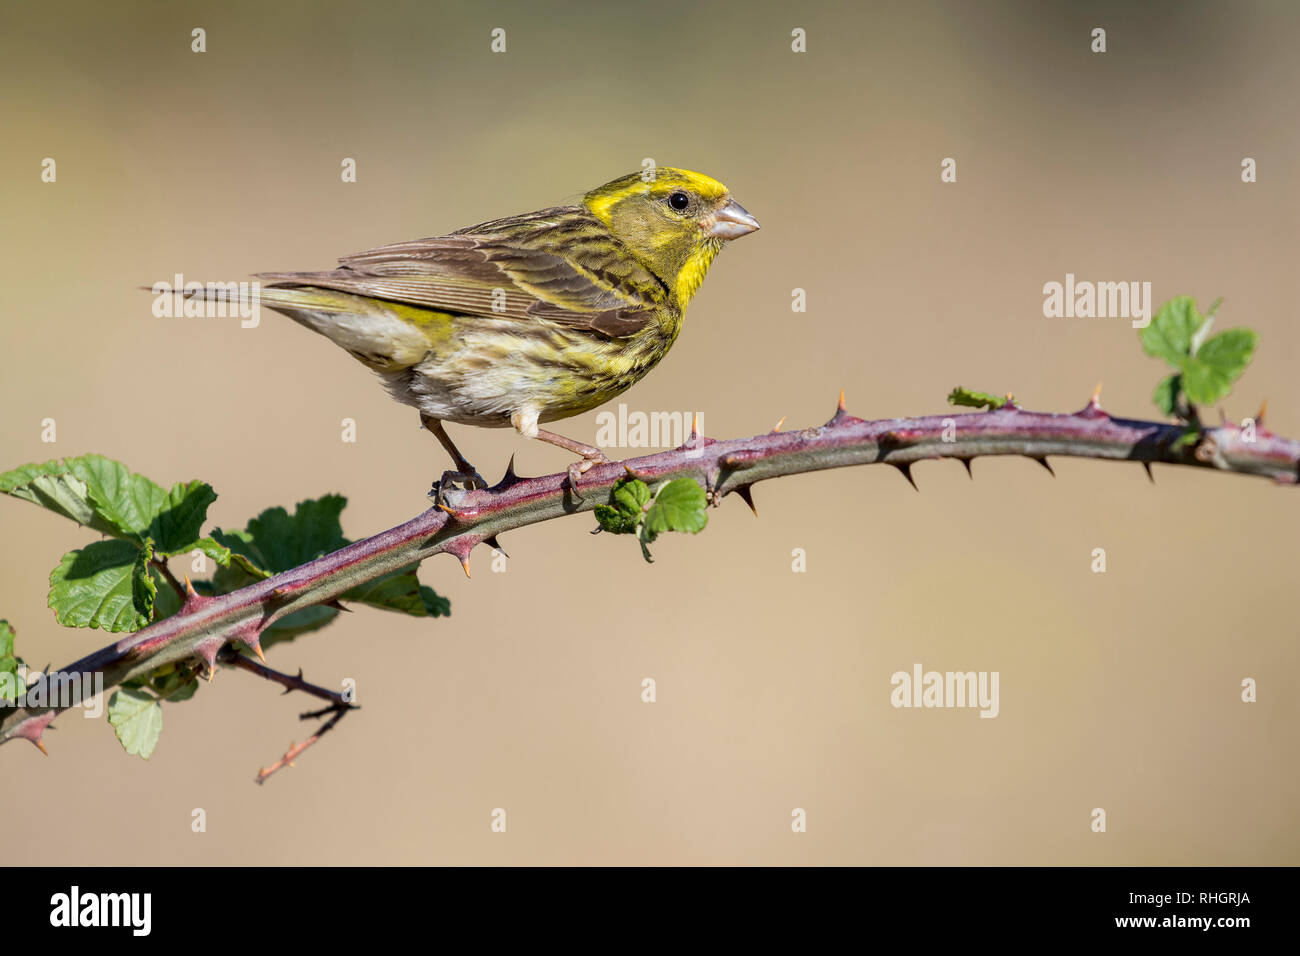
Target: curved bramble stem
720, 467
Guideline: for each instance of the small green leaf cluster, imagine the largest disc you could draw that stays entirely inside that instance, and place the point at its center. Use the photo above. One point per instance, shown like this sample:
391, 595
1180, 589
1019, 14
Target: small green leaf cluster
1205, 366
677, 505
123, 582
113, 584
277, 541
971, 399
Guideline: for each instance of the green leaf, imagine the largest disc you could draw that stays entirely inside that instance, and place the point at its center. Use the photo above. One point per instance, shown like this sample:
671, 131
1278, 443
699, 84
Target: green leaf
299, 622
175, 526
1169, 335
242, 568
143, 586
98, 586
11, 684
107, 496
11, 482
973, 399
8, 662
217, 552
1208, 375
175, 686
398, 590
127, 501
49, 486
241, 563
1166, 393
627, 501
435, 605
277, 541
680, 505
179, 690
631, 495
136, 716
614, 521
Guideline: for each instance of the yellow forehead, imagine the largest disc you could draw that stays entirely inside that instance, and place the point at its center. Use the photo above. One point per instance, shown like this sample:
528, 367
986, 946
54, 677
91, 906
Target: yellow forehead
654, 183
667, 179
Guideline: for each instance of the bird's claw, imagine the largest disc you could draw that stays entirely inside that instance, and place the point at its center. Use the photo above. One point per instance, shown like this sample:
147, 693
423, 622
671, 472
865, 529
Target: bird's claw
580, 468
456, 481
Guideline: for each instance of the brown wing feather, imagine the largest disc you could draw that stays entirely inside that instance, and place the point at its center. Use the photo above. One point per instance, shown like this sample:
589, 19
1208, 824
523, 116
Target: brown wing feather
548, 264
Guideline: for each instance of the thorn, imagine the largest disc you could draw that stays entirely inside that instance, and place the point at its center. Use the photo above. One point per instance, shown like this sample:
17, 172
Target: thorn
841, 413
509, 478
1259, 415
334, 603
1043, 461
257, 649
1093, 408
695, 426
748, 497
966, 462
777, 427
1223, 417
460, 551
1150, 473
206, 651
189, 588
492, 542
906, 469
441, 507
33, 727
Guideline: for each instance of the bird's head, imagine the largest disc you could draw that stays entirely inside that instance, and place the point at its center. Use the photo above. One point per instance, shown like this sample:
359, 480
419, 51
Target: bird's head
673, 220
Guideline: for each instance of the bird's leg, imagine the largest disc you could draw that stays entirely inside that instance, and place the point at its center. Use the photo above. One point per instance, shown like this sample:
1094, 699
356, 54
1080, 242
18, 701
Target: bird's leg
464, 470
591, 455
525, 422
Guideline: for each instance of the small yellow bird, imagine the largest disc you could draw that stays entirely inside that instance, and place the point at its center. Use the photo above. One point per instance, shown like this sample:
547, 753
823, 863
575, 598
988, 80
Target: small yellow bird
528, 319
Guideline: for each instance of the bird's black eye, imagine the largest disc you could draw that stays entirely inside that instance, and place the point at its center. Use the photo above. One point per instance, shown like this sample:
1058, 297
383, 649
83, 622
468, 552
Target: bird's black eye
679, 201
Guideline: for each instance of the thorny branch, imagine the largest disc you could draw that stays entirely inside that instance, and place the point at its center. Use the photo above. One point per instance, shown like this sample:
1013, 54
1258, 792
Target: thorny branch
338, 704
338, 710
204, 625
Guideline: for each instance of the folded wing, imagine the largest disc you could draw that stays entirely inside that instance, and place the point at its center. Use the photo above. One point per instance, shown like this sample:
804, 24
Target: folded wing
558, 265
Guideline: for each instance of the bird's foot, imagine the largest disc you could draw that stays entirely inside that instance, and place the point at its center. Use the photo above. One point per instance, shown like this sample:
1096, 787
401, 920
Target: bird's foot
455, 481
582, 466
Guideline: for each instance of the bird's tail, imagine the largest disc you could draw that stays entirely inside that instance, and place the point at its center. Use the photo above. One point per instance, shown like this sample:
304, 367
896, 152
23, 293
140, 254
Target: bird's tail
375, 332
233, 294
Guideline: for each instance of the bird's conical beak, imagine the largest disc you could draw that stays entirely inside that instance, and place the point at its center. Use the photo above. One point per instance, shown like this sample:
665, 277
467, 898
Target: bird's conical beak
732, 222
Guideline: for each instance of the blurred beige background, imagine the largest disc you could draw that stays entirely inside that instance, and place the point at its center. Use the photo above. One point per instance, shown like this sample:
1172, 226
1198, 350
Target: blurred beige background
1118, 690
